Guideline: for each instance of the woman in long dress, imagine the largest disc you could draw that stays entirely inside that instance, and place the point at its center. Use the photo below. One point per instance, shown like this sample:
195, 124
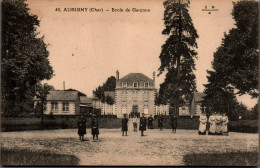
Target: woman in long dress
212, 121
224, 124
203, 122
218, 124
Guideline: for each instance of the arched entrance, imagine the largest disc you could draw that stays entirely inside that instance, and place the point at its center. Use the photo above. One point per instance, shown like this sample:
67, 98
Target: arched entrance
135, 111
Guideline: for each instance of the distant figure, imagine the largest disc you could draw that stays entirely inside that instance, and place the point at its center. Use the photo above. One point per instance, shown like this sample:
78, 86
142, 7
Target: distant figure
212, 121
142, 126
134, 120
174, 123
124, 125
150, 122
160, 122
81, 128
218, 124
94, 127
224, 124
203, 122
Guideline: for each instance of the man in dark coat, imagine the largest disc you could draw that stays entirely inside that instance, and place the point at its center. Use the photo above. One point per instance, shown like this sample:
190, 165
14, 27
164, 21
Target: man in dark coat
142, 126
160, 122
94, 127
81, 128
174, 122
124, 125
150, 122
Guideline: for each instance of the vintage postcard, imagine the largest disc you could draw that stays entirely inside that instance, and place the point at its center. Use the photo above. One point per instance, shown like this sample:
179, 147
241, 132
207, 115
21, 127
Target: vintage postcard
129, 82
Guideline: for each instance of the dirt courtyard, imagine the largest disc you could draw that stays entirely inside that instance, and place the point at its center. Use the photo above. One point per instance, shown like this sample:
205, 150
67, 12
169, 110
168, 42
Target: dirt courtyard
156, 148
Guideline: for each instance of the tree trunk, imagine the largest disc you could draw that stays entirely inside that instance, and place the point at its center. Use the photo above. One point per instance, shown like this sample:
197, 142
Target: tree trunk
178, 62
42, 113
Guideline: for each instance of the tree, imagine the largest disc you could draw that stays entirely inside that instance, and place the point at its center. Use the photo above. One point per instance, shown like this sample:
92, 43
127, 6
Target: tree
110, 100
24, 55
237, 57
254, 112
235, 63
41, 93
109, 85
219, 96
178, 54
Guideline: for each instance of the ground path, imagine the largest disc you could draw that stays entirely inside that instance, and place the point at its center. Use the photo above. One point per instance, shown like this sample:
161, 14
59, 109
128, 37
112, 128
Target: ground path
157, 148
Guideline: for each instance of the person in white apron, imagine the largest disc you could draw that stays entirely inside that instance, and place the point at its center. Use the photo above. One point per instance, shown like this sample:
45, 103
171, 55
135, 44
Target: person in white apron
218, 124
212, 121
224, 124
203, 122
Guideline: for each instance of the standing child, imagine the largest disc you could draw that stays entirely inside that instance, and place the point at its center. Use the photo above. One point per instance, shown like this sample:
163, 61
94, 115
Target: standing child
94, 127
224, 124
174, 122
160, 122
81, 128
150, 122
124, 125
203, 122
142, 126
212, 121
134, 120
218, 124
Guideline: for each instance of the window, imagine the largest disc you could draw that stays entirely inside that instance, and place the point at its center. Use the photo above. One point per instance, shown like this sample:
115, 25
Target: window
54, 106
124, 84
123, 108
135, 95
65, 106
124, 95
146, 96
146, 109
135, 84
146, 84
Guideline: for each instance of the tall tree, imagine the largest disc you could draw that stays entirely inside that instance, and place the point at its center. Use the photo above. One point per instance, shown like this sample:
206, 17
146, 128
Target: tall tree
109, 85
178, 54
219, 96
41, 93
237, 57
24, 55
235, 63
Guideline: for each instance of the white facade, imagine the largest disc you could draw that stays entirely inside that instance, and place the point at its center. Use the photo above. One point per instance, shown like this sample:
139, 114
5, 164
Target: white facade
59, 110
162, 109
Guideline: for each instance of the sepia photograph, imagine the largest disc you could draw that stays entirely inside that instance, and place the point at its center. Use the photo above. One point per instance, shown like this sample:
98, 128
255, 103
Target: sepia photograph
129, 83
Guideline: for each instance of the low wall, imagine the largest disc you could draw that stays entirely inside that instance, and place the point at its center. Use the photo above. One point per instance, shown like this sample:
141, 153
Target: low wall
21, 124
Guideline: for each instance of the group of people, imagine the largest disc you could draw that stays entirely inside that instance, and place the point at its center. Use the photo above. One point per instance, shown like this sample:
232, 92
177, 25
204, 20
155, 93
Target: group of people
82, 128
218, 124
146, 122
142, 124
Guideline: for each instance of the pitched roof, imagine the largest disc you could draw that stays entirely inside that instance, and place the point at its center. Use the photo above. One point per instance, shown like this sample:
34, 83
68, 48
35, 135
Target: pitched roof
198, 96
135, 77
62, 95
85, 100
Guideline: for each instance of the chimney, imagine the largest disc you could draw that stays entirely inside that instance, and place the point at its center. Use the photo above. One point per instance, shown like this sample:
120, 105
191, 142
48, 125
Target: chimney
117, 75
64, 85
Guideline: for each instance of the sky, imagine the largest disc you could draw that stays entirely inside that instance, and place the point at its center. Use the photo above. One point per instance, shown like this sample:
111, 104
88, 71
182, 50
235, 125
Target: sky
88, 47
